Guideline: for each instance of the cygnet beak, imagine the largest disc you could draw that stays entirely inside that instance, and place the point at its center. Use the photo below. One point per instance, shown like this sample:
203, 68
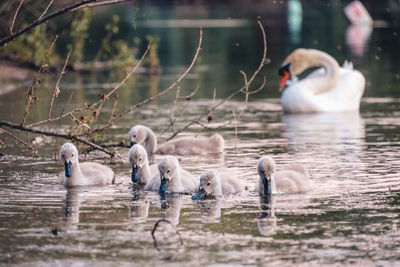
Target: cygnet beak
68, 169
135, 174
200, 194
132, 143
267, 183
163, 185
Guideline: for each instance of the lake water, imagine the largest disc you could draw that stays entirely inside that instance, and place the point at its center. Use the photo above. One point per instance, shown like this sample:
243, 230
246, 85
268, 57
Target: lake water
351, 215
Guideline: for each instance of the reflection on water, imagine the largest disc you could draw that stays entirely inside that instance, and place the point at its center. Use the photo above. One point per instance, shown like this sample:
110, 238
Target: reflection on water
140, 205
357, 37
210, 210
171, 208
267, 222
324, 129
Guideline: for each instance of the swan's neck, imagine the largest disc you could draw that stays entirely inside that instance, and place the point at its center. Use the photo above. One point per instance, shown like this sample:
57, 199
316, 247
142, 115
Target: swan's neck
176, 183
145, 175
218, 190
77, 177
261, 185
322, 84
151, 142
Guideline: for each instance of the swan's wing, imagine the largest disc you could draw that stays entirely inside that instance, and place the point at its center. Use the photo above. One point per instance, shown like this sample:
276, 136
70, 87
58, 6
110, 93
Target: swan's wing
347, 65
291, 181
189, 182
97, 173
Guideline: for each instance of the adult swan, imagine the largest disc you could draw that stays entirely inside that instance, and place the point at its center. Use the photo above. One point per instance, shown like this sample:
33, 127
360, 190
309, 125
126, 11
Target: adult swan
328, 89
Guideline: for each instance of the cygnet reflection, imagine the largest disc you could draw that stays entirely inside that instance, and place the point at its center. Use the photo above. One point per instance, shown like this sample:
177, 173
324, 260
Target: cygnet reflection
210, 210
267, 222
171, 208
139, 206
73, 202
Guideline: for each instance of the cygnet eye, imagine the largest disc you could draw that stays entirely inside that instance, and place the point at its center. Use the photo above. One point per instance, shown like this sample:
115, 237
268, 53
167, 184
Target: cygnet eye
168, 171
72, 155
208, 183
134, 136
140, 159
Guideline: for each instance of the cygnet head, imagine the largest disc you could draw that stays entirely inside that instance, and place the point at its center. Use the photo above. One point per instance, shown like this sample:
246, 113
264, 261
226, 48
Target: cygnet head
137, 158
266, 170
169, 170
137, 135
69, 157
210, 185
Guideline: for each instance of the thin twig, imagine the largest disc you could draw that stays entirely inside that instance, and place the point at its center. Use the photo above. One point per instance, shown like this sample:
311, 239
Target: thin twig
235, 123
15, 16
31, 90
104, 3
250, 81
104, 97
19, 140
57, 88
246, 92
47, 8
65, 106
43, 20
123, 113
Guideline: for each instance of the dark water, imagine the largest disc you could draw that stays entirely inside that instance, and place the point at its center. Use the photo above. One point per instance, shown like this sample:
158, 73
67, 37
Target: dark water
351, 215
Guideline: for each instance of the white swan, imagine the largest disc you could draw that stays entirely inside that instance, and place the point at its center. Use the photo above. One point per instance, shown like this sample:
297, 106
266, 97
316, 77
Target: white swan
87, 173
142, 172
214, 183
173, 178
143, 135
295, 178
327, 89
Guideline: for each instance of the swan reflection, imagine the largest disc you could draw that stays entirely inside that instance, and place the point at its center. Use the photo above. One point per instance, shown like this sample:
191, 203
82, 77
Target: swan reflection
324, 128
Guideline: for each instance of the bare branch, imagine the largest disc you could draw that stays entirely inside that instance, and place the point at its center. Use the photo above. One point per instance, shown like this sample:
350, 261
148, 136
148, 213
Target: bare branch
43, 20
57, 88
123, 113
31, 90
104, 3
235, 123
65, 106
15, 16
65, 136
47, 8
116, 87
214, 107
19, 140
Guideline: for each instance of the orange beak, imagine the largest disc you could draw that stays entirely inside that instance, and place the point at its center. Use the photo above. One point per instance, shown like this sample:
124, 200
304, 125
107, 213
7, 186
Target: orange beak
286, 76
